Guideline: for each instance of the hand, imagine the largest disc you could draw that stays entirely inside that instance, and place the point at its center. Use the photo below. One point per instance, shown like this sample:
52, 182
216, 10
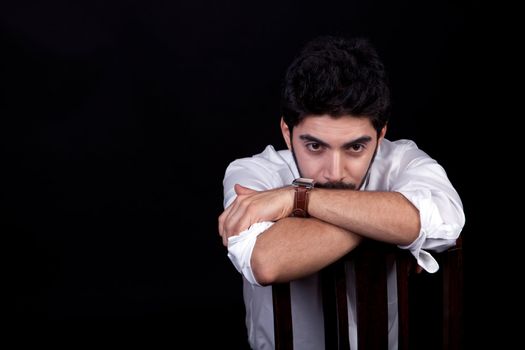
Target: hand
252, 206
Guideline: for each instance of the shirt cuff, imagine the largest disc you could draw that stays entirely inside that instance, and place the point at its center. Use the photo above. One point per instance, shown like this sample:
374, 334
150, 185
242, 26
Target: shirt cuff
434, 234
423, 258
240, 249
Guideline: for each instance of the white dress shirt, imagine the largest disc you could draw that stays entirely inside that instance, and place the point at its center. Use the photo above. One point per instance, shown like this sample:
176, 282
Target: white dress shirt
399, 166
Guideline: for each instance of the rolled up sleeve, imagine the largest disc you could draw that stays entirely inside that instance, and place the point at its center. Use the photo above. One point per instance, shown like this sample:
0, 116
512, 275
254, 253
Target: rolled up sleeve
435, 233
240, 249
258, 176
425, 184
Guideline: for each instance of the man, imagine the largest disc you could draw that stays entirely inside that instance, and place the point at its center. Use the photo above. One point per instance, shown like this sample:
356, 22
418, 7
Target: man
335, 108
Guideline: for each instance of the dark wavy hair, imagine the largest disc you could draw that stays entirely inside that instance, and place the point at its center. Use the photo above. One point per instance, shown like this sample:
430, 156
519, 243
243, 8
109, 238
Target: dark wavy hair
336, 76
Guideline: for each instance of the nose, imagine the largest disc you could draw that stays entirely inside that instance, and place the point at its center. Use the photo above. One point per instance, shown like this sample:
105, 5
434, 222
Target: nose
334, 170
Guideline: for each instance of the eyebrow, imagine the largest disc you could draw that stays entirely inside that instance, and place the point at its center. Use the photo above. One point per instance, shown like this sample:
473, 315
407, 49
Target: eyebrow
359, 140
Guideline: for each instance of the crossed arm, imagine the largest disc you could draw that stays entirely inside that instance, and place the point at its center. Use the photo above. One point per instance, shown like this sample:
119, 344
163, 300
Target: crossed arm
296, 247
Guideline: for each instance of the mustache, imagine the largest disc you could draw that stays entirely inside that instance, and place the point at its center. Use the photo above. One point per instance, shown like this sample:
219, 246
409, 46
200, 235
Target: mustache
338, 185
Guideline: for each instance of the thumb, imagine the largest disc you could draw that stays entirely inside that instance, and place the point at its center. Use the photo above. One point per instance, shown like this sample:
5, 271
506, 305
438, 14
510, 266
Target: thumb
239, 189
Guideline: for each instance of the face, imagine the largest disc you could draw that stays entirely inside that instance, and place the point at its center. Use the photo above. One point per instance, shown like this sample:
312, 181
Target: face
335, 152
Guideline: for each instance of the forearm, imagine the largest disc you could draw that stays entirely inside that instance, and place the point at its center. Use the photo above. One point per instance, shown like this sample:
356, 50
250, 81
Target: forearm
293, 248
383, 216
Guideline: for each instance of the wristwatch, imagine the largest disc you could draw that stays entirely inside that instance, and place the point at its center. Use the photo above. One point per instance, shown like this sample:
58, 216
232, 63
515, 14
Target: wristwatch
302, 188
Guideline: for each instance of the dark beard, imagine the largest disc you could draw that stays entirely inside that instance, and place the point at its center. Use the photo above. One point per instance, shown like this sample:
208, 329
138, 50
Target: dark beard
339, 185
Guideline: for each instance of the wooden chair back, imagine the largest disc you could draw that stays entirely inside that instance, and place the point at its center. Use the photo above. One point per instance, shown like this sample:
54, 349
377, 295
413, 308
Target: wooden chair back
371, 260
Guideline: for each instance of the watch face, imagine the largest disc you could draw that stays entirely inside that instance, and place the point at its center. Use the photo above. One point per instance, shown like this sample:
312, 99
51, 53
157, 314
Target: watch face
303, 181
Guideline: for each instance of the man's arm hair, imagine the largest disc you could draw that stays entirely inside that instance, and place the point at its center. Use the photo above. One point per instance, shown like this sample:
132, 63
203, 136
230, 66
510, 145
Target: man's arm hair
383, 216
295, 247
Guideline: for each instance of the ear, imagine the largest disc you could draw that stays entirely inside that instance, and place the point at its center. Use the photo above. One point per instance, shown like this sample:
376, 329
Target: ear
286, 134
382, 134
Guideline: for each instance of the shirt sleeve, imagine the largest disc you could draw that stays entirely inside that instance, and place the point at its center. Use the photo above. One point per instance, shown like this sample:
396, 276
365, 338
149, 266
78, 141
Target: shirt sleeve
240, 249
425, 184
250, 173
254, 174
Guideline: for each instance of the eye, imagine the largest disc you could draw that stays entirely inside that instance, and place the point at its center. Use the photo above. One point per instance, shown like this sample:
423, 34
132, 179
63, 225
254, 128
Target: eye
357, 147
314, 147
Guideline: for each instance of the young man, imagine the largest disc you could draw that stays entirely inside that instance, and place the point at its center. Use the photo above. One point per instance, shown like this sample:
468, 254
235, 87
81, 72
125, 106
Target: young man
335, 106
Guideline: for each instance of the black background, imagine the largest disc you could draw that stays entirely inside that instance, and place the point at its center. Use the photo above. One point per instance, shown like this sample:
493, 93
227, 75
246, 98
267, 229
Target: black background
118, 119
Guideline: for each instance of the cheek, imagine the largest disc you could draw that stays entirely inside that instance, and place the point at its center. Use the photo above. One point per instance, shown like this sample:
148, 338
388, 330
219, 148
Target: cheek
310, 167
312, 170
357, 168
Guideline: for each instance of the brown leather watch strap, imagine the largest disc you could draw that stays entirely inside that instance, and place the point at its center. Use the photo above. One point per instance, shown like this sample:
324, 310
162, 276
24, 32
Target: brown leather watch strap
300, 205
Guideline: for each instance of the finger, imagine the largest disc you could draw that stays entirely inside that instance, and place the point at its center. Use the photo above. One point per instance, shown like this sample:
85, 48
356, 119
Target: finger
225, 225
226, 222
240, 190
222, 219
224, 216
220, 223
236, 221
222, 231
